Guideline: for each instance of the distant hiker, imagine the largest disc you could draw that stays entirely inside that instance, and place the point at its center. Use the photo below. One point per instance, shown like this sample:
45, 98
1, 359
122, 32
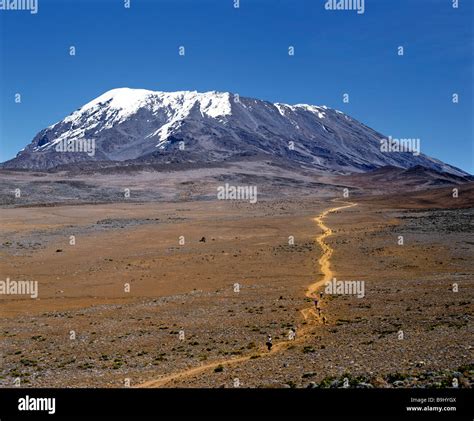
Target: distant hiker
325, 320
316, 303
269, 343
292, 334
321, 294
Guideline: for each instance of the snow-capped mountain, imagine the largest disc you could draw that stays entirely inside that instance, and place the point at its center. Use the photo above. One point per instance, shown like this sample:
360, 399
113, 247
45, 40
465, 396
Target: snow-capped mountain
186, 126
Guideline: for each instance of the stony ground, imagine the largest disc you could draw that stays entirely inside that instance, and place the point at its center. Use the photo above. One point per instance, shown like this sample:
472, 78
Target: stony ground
184, 308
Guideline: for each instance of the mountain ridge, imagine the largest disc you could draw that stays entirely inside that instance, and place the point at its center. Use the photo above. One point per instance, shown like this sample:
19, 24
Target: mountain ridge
141, 125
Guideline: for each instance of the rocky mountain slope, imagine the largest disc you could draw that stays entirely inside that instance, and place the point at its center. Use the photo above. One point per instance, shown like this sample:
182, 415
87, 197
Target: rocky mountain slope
142, 126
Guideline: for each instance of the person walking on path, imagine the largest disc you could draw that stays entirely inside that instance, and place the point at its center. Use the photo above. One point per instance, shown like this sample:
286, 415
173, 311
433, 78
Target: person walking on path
316, 303
269, 343
292, 334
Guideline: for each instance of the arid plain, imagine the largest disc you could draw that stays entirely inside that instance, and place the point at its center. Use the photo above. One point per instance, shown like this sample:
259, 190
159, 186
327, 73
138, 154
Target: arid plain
184, 293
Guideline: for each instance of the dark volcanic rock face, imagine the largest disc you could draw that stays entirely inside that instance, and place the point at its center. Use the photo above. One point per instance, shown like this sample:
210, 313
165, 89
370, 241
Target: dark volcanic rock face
141, 125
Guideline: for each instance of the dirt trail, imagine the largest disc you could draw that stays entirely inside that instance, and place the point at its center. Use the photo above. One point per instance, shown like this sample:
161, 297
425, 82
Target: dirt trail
324, 262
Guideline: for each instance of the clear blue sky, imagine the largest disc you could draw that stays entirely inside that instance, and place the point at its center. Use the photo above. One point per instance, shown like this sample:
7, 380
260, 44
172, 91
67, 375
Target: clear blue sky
245, 51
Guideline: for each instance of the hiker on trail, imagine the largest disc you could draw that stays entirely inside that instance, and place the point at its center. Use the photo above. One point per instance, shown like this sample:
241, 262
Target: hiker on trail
269, 343
292, 334
321, 294
325, 320
316, 303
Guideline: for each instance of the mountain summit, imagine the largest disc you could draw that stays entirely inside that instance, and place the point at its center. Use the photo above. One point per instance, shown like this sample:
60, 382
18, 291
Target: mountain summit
143, 126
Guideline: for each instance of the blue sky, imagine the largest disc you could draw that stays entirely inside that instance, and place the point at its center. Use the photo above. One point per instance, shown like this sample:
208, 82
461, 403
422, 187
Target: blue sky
245, 50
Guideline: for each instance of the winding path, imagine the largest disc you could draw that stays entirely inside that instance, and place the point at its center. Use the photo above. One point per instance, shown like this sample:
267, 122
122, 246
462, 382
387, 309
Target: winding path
324, 262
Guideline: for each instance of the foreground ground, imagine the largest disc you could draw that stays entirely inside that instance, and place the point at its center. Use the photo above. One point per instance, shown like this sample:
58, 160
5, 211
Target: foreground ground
183, 310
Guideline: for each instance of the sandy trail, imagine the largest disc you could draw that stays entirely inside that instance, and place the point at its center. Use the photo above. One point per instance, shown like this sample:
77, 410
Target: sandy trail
324, 262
